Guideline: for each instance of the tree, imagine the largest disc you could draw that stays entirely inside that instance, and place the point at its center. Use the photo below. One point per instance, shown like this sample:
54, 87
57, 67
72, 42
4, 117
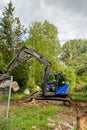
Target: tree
70, 76
74, 53
43, 37
11, 33
2, 64
11, 40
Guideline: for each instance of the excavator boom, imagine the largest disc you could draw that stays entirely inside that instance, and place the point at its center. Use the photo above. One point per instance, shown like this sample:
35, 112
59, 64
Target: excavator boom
25, 54
30, 53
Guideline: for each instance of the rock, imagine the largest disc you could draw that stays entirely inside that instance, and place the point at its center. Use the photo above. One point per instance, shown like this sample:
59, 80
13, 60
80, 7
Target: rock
34, 127
26, 91
50, 120
68, 126
37, 88
5, 84
15, 86
51, 124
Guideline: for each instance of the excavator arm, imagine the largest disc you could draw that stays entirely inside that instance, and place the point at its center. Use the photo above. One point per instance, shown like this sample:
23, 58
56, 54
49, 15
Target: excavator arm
25, 54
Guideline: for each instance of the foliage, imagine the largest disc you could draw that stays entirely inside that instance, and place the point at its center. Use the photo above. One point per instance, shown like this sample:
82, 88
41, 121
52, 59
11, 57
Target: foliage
43, 38
74, 53
11, 32
25, 118
2, 64
70, 76
83, 77
20, 74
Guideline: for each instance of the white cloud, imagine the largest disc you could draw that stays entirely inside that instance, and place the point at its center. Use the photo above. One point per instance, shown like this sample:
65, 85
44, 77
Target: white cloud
69, 16
0, 13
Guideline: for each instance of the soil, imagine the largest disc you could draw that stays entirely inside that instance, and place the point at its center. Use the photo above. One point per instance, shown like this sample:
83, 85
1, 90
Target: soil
66, 117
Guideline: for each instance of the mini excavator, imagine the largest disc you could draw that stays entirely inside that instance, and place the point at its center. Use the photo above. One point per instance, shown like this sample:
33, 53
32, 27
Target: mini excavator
54, 86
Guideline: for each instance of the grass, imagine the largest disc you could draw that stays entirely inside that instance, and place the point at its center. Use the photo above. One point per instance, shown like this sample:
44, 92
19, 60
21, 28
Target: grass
3, 97
27, 118
15, 96
82, 89
79, 96
80, 93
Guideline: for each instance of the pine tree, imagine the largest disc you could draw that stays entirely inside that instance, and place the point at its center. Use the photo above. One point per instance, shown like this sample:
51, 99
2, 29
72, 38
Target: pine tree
11, 33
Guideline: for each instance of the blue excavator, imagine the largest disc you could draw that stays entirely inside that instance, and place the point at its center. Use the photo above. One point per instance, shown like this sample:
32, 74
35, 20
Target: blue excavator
54, 86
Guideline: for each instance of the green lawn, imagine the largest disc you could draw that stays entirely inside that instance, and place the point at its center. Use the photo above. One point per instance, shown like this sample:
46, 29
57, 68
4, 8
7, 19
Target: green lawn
29, 118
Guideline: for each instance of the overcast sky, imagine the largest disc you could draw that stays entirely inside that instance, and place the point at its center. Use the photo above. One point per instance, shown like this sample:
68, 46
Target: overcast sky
69, 16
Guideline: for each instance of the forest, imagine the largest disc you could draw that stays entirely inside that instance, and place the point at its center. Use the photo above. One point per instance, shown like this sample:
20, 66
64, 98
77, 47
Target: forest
69, 58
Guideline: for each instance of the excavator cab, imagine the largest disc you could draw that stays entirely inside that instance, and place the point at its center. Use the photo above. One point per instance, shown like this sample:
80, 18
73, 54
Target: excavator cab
57, 84
52, 82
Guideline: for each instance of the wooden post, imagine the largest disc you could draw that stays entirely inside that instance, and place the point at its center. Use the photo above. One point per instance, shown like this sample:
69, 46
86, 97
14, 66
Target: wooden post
81, 122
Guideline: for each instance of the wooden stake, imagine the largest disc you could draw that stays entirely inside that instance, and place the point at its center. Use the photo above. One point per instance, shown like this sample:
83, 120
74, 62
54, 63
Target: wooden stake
81, 122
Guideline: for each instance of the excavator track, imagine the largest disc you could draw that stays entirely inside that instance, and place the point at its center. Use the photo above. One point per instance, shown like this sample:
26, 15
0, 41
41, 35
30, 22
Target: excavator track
49, 98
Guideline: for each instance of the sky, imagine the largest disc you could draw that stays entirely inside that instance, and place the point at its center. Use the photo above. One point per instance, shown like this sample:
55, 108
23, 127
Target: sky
69, 16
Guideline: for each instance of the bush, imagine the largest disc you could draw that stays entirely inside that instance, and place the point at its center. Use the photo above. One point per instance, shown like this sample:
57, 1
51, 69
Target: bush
83, 78
20, 75
70, 76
